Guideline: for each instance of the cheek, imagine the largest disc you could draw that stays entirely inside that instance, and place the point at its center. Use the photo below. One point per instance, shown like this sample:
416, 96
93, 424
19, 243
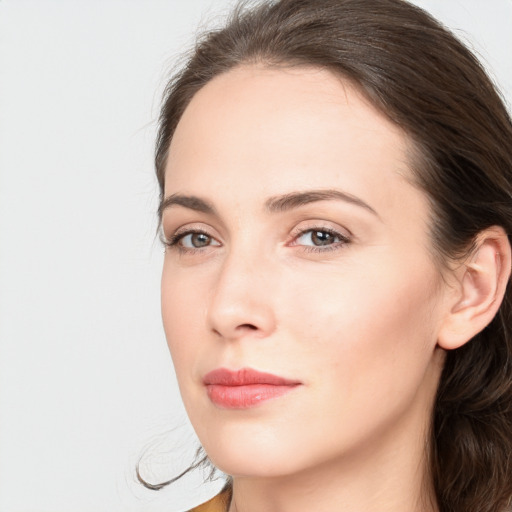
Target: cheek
181, 312
367, 336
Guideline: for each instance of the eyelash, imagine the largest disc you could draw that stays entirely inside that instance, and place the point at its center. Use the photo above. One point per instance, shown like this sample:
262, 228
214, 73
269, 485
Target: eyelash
174, 241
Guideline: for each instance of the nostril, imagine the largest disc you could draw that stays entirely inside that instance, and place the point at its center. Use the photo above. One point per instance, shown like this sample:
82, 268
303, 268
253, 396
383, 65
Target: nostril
239, 329
249, 327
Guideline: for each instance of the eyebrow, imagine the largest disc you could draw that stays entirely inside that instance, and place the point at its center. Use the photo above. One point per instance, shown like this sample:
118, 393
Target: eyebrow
274, 204
192, 202
298, 199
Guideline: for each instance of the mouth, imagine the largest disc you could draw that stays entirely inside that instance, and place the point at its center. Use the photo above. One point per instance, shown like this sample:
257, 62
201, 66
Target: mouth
245, 388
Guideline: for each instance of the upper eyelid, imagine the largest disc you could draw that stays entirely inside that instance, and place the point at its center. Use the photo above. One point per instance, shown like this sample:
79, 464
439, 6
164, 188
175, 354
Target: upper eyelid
189, 227
188, 230
319, 225
325, 229
172, 221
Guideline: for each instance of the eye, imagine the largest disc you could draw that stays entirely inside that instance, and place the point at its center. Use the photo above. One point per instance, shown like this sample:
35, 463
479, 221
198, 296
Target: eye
320, 239
196, 240
192, 240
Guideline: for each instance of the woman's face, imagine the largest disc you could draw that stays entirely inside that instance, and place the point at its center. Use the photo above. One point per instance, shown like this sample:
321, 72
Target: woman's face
298, 248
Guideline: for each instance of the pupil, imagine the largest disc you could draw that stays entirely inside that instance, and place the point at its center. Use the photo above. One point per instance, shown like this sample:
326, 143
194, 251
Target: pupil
200, 240
321, 238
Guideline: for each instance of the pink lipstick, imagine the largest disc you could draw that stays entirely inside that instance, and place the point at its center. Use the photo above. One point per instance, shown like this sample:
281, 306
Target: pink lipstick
244, 388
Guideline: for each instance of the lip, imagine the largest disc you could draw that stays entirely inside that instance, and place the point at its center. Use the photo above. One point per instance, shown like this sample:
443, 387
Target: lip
245, 388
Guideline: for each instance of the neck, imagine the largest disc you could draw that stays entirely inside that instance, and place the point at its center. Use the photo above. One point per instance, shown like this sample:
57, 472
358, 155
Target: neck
382, 483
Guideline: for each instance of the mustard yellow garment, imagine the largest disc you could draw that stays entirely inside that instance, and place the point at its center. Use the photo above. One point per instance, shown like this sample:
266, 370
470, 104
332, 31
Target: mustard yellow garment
217, 504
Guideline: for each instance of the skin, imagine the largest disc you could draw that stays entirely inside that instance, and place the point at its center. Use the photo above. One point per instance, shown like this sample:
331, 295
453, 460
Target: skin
356, 321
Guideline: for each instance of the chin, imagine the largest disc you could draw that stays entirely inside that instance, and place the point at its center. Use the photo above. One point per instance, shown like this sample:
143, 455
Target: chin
250, 465
263, 455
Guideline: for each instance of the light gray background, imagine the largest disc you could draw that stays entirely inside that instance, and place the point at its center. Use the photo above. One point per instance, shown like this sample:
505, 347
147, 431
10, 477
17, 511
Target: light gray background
86, 383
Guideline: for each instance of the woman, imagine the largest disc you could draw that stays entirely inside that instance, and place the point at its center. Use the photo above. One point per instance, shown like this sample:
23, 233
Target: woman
336, 204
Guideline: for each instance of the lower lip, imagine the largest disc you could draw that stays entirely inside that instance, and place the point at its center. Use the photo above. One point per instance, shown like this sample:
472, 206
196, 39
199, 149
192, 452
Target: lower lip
244, 397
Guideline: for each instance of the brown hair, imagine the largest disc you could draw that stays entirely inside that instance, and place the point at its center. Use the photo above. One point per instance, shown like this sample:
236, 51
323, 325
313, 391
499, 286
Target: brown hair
423, 79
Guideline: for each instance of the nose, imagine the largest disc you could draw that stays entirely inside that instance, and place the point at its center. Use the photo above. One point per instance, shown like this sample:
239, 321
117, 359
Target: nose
241, 304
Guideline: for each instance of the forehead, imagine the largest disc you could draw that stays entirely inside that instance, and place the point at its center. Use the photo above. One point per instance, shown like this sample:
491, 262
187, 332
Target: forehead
266, 131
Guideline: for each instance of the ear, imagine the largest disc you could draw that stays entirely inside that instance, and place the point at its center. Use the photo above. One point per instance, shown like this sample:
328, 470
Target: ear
481, 282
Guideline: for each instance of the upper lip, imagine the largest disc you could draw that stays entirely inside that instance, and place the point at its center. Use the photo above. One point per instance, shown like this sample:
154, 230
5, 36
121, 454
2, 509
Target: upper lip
244, 377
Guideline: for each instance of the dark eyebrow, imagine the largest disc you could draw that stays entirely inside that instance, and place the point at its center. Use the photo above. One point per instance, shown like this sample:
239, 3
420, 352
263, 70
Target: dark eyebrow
273, 204
191, 202
297, 199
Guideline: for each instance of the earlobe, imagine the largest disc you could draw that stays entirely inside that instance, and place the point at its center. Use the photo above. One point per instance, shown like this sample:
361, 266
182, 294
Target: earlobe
481, 285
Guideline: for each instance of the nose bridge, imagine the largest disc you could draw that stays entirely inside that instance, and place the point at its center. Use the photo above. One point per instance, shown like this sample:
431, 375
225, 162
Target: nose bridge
241, 300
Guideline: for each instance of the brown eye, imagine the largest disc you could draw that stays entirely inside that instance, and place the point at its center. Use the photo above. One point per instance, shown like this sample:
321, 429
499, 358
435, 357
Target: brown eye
199, 239
194, 240
322, 238
318, 238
